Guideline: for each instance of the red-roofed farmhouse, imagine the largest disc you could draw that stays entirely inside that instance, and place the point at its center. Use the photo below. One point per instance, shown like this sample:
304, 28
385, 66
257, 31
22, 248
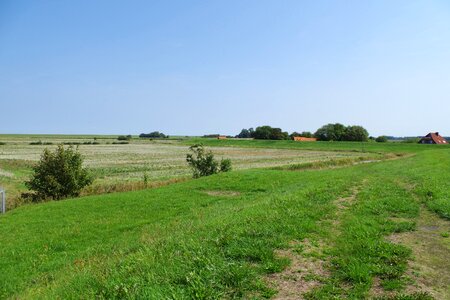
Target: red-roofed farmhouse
432, 138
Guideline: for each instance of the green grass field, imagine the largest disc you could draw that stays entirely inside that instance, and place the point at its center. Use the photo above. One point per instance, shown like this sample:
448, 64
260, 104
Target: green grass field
340, 231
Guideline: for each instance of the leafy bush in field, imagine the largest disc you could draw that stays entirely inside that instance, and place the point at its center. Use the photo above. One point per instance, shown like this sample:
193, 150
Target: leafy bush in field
381, 139
124, 137
58, 175
41, 143
411, 140
203, 163
120, 143
225, 165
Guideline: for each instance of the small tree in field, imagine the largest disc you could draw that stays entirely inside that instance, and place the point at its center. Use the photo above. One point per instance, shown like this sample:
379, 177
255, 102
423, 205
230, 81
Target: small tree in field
59, 175
202, 162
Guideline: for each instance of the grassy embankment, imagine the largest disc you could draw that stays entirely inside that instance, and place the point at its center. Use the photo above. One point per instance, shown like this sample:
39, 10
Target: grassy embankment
221, 236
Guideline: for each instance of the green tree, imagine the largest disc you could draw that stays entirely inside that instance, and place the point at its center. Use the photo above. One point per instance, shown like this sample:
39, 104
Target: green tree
269, 133
59, 174
203, 163
355, 134
306, 134
245, 133
331, 132
339, 132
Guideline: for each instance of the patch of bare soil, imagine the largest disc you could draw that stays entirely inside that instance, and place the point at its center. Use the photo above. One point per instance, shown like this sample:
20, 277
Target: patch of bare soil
223, 193
345, 202
308, 268
306, 271
430, 267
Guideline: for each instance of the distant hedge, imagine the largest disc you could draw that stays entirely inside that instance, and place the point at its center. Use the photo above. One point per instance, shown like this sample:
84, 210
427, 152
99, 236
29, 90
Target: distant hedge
154, 134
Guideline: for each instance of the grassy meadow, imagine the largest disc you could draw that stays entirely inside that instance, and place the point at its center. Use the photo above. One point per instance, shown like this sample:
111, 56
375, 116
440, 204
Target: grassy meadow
293, 220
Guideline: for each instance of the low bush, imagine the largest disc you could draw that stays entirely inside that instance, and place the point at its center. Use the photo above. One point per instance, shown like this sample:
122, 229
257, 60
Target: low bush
124, 137
411, 140
203, 163
58, 175
41, 143
381, 139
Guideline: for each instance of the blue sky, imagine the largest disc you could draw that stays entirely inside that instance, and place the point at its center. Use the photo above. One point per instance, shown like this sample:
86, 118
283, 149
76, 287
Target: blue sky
197, 67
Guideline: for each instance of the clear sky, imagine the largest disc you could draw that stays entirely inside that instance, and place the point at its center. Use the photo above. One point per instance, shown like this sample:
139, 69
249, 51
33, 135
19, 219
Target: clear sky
197, 67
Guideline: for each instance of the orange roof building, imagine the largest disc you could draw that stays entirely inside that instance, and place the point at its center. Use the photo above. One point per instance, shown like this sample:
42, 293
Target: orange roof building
221, 137
304, 139
432, 138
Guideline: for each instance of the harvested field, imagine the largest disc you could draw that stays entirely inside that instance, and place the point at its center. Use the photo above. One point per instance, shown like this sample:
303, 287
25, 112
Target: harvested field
124, 165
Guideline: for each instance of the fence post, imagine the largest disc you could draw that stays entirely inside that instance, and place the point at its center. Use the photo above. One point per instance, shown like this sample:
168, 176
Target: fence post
2, 192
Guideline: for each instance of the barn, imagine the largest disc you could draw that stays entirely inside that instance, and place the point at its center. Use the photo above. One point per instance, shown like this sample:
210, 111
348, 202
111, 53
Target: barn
432, 138
304, 139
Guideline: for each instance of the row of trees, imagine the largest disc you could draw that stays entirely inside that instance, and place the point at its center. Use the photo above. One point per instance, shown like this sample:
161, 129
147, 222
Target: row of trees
264, 133
329, 132
154, 134
339, 132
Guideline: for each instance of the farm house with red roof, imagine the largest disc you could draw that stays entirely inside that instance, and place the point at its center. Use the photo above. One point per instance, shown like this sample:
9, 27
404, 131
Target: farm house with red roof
432, 138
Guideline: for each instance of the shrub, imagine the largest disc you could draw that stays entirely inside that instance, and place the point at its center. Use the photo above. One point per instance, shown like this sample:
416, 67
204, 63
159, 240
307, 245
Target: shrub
124, 137
411, 140
202, 162
381, 139
225, 165
211, 136
145, 179
41, 143
58, 175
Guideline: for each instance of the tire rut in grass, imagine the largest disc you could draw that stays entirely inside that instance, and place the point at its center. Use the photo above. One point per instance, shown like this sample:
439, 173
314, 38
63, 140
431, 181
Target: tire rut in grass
429, 269
305, 272
309, 267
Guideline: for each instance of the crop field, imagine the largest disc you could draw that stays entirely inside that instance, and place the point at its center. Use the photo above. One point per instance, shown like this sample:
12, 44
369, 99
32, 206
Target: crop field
284, 224
119, 167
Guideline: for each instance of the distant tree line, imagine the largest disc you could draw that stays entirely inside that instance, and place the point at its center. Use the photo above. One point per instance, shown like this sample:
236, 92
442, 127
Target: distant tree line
124, 137
328, 132
154, 134
213, 136
264, 133
339, 132
303, 134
